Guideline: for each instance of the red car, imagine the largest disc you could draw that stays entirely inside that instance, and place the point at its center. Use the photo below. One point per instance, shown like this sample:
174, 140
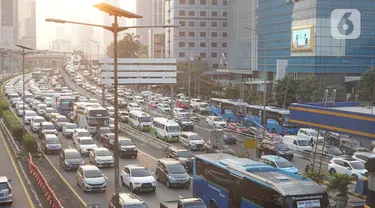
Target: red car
152, 104
182, 104
238, 128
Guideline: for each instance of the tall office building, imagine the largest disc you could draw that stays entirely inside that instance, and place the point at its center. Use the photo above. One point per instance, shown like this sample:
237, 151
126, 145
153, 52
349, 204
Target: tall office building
156, 36
203, 32
60, 32
144, 8
86, 34
61, 45
27, 23
8, 28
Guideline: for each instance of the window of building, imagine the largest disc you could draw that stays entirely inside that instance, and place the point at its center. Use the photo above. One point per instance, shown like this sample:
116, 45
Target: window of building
214, 44
191, 34
202, 34
181, 44
202, 24
215, 66
191, 23
214, 14
202, 13
182, 1
213, 24
182, 23
181, 54
202, 44
192, 2
191, 44
203, 2
191, 13
224, 45
225, 24
202, 55
181, 34
213, 55
182, 13
225, 14
225, 2
213, 34
225, 34
214, 2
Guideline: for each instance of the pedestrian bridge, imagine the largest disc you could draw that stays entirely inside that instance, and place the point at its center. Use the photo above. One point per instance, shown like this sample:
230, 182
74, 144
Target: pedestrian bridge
47, 60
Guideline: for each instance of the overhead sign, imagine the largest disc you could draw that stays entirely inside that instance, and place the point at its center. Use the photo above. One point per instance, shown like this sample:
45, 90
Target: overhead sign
139, 71
250, 144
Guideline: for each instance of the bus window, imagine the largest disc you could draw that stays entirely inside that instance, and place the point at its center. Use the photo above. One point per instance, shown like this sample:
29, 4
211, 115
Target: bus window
241, 110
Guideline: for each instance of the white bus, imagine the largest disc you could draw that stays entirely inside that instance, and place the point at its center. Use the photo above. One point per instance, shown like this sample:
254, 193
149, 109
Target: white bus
140, 120
91, 118
165, 129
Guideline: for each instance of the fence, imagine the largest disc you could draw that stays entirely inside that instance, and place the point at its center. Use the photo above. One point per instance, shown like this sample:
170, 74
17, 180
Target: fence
48, 192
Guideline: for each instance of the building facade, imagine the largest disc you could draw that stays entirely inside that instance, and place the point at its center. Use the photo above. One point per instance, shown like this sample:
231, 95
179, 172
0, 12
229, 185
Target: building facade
8, 22
202, 33
300, 32
156, 43
61, 45
27, 23
144, 8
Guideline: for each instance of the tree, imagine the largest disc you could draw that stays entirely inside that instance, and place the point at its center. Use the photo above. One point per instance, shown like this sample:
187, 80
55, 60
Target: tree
143, 51
286, 91
367, 85
307, 87
128, 47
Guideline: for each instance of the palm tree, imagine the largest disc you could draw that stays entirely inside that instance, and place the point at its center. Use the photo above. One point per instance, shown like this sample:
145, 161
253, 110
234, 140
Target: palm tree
128, 47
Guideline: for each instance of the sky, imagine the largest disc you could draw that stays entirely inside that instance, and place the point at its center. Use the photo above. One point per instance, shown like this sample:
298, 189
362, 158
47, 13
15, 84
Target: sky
73, 10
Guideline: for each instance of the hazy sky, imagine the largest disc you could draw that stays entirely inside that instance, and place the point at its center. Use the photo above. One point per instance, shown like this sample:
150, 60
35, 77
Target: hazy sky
73, 10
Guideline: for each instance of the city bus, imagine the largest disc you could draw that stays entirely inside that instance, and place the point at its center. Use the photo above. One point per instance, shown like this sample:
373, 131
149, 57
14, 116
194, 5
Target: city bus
230, 110
63, 104
165, 129
226, 181
91, 118
277, 119
140, 120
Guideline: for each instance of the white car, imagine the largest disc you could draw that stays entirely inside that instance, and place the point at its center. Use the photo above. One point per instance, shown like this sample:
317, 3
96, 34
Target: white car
363, 156
191, 140
20, 110
68, 129
111, 111
133, 107
78, 133
41, 109
216, 122
163, 108
35, 123
180, 112
310, 134
112, 125
195, 102
29, 114
101, 157
91, 178
138, 178
139, 100
84, 145
348, 166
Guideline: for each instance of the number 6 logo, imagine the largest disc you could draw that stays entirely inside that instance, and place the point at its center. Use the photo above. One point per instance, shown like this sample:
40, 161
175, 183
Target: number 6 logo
345, 24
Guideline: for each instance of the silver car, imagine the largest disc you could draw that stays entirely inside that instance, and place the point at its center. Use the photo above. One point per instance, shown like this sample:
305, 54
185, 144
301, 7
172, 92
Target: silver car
101, 157
91, 178
5, 190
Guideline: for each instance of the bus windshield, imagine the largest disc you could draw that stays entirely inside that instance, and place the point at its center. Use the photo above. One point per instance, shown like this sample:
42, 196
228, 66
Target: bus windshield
98, 121
144, 119
173, 129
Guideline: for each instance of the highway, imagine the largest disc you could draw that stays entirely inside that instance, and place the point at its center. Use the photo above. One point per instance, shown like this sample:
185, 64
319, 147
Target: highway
9, 168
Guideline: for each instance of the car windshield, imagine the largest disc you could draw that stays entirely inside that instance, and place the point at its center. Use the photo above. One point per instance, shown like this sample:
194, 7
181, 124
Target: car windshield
173, 129
281, 146
125, 142
48, 110
217, 119
176, 169
284, 164
71, 126
49, 127
42, 107
38, 120
105, 130
185, 154
72, 155
111, 121
102, 153
140, 172
87, 141
356, 144
313, 133
98, 121
4, 186
195, 137
31, 114
334, 151
357, 165
303, 142
62, 119
144, 119
137, 206
53, 140
93, 174
83, 134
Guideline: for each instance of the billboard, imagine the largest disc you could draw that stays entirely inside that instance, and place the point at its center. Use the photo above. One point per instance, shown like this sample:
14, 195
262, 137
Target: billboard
303, 39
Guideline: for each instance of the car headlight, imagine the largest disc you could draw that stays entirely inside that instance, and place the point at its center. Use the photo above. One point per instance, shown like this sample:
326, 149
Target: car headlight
66, 163
136, 183
171, 178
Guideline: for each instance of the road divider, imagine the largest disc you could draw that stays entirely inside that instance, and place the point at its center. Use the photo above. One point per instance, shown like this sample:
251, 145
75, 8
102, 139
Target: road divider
48, 192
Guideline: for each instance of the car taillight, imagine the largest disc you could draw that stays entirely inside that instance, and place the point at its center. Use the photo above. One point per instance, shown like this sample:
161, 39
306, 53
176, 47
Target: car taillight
10, 190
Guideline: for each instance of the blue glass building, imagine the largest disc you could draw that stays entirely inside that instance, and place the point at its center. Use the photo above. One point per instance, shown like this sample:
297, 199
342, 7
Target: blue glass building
280, 22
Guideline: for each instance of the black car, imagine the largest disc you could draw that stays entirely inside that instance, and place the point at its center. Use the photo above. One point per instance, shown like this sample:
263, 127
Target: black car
70, 159
185, 156
229, 138
185, 123
350, 146
127, 148
172, 173
275, 148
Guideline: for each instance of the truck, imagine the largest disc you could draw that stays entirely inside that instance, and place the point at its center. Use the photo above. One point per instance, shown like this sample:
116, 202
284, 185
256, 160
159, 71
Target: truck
184, 203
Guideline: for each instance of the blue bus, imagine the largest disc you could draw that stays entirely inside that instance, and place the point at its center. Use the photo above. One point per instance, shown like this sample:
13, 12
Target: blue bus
226, 181
63, 104
230, 110
277, 119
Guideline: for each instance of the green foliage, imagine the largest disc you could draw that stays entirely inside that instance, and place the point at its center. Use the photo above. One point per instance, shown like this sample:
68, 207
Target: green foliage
339, 183
367, 85
30, 144
3, 103
13, 124
143, 51
286, 91
315, 176
128, 47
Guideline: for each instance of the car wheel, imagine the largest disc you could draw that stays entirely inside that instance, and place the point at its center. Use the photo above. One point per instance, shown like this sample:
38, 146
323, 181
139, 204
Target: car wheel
131, 188
168, 184
332, 171
122, 181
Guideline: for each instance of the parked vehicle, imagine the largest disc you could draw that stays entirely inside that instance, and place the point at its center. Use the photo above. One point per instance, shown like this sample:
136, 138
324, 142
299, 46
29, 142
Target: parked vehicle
279, 162
296, 143
275, 148
184, 203
363, 156
348, 166
350, 146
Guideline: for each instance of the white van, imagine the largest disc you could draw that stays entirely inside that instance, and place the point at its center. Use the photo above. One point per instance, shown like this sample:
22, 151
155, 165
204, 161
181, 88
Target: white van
165, 129
310, 134
297, 143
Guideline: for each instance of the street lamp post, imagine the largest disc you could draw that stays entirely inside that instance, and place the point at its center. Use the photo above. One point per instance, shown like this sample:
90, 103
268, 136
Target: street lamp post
265, 80
115, 29
23, 53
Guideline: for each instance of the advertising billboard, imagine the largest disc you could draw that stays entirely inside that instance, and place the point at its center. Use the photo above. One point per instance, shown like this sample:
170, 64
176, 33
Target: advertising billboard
303, 39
